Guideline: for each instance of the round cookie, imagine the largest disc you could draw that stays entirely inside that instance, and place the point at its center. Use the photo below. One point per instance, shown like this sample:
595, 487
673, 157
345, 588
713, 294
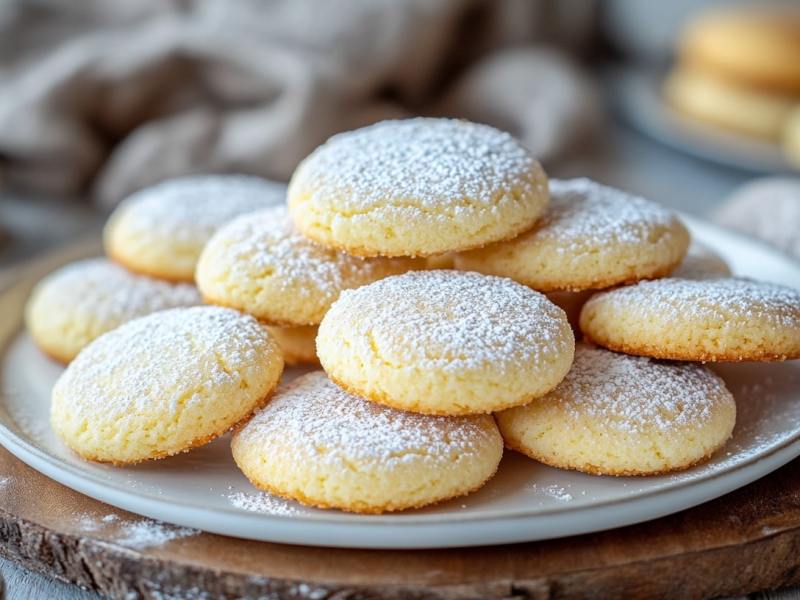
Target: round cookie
710, 320
164, 383
81, 301
709, 98
319, 445
591, 236
701, 262
767, 208
616, 414
299, 344
417, 187
260, 265
161, 230
755, 46
445, 342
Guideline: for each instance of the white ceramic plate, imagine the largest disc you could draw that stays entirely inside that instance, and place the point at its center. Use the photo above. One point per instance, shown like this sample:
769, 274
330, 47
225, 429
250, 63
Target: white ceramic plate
638, 95
526, 501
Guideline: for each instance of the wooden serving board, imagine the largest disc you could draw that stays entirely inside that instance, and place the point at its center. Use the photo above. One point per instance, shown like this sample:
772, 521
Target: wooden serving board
746, 541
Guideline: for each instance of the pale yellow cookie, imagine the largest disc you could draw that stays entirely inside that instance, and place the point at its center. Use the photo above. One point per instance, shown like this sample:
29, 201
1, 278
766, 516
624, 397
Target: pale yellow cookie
81, 301
616, 414
701, 262
756, 45
417, 187
707, 97
591, 236
260, 265
445, 342
709, 320
299, 344
319, 445
164, 383
161, 230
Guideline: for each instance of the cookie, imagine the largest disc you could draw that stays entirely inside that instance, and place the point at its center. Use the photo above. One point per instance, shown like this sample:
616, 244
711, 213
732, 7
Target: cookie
753, 46
321, 446
161, 230
591, 236
417, 187
81, 301
445, 342
710, 320
624, 415
260, 265
298, 344
164, 383
711, 99
701, 262
767, 208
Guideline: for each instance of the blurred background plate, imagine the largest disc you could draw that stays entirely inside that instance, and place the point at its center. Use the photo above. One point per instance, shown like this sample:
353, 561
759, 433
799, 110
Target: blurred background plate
526, 501
636, 94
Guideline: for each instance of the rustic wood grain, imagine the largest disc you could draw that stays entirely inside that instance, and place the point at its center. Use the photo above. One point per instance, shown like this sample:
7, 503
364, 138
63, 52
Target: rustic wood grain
743, 542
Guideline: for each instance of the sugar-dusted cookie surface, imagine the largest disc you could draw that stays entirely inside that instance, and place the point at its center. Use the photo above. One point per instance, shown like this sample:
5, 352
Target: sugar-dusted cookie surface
161, 230
164, 383
322, 446
710, 320
616, 414
259, 264
83, 300
591, 236
445, 342
417, 187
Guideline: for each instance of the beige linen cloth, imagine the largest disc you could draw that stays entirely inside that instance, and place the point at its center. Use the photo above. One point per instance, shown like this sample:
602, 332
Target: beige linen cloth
108, 97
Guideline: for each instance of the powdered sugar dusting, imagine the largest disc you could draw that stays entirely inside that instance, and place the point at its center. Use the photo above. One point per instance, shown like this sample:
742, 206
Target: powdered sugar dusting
166, 360
585, 213
635, 394
729, 300
138, 534
262, 502
420, 163
262, 249
189, 208
320, 422
451, 320
102, 292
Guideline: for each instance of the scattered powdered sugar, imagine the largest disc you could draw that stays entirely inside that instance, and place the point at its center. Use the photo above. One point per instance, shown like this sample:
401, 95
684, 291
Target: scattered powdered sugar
320, 422
262, 502
419, 163
4, 481
450, 320
636, 394
730, 300
147, 533
168, 359
139, 534
263, 248
191, 208
554, 491
106, 294
585, 213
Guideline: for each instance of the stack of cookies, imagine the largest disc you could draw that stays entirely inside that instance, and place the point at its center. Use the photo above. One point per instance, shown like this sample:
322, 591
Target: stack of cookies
428, 372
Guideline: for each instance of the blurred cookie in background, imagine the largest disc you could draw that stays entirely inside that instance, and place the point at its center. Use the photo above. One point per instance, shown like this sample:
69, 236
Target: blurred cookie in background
739, 68
768, 209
